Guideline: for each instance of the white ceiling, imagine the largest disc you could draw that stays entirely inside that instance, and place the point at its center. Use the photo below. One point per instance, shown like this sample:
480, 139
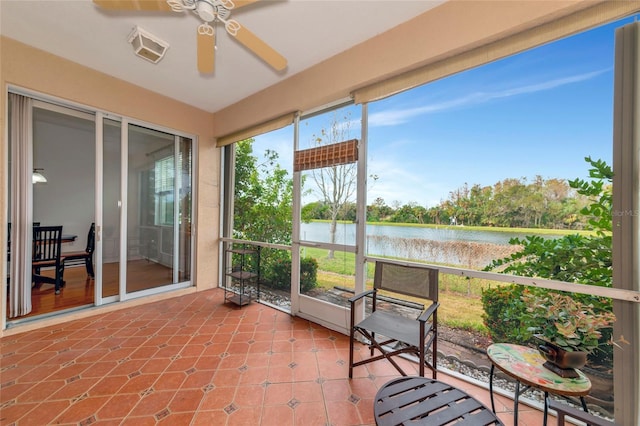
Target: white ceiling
305, 31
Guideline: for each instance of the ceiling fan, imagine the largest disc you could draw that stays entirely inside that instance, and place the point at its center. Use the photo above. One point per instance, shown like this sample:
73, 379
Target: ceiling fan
211, 12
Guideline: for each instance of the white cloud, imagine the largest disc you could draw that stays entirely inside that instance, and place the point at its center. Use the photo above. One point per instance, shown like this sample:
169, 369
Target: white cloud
393, 117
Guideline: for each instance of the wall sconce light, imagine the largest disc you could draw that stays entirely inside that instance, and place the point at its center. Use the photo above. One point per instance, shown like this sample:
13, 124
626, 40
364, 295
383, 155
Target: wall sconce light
38, 177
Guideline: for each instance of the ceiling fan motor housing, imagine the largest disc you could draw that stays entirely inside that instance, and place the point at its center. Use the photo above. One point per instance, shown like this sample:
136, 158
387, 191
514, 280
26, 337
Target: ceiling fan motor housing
206, 10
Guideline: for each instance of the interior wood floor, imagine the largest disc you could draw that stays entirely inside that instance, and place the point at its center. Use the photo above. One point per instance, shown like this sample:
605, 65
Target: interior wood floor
80, 289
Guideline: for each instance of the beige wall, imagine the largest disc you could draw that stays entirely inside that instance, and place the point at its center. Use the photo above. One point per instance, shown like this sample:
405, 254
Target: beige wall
28, 68
445, 31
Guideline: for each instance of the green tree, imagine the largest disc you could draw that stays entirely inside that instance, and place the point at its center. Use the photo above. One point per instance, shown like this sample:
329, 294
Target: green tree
263, 197
583, 259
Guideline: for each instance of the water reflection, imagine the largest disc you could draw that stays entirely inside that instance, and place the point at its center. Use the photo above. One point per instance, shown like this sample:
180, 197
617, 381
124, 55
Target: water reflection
446, 245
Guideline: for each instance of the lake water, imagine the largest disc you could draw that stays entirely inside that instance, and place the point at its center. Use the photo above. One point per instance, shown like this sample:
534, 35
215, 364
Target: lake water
449, 245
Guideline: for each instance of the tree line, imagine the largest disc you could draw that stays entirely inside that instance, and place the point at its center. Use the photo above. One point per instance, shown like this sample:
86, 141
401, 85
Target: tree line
513, 203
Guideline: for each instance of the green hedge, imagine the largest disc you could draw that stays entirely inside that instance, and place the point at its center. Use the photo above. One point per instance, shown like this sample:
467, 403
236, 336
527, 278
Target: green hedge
279, 274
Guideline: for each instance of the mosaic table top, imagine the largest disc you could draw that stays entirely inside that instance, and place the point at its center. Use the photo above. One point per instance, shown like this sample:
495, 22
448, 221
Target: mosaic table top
525, 365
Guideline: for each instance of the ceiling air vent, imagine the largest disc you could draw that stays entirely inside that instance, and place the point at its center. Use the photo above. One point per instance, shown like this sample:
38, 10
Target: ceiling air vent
147, 45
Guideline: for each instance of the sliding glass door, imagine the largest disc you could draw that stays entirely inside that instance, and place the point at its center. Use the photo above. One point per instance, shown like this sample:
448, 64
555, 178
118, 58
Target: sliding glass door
158, 209
130, 182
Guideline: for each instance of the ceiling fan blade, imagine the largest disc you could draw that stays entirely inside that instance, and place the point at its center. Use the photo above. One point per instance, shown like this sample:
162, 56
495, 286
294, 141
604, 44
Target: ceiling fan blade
259, 47
145, 5
242, 3
206, 51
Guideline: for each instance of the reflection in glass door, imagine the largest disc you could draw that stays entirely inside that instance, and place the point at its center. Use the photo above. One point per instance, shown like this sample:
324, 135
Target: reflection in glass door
158, 209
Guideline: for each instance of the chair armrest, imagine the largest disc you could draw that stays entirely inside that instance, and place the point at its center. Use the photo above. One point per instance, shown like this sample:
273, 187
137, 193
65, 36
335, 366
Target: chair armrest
566, 410
430, 310
360, 296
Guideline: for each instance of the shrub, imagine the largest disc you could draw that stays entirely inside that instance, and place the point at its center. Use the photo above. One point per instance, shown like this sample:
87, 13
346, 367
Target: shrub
503, 310
279, 275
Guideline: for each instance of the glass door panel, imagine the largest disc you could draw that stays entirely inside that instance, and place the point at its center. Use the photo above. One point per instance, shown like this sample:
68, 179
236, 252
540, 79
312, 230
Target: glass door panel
111, 206
184, 186
150, 210
328, 193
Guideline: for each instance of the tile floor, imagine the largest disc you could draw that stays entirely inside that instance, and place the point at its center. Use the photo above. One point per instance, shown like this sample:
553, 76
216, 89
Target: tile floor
194, 360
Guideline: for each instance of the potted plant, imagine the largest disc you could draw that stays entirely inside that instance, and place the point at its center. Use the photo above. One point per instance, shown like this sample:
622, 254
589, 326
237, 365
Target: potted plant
569, 329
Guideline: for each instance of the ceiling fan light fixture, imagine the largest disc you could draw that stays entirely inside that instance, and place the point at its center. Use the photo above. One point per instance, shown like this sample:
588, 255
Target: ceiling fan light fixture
206, 11
147, 46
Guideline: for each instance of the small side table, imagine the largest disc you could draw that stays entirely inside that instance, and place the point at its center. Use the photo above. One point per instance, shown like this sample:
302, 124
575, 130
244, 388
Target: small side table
524, 364
423, 401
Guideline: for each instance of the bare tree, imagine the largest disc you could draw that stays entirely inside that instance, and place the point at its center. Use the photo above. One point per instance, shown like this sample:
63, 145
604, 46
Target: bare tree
335, 184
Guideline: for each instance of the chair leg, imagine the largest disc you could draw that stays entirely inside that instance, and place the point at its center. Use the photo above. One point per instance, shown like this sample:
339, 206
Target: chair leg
59, 282
88, 262
434, 356
351, 337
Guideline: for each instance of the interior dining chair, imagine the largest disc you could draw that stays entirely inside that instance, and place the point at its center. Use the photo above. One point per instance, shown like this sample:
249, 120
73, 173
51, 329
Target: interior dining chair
46, 253
86, 255
391, 333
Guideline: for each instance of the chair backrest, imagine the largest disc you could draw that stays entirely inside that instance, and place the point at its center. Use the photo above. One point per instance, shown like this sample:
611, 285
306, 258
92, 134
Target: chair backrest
91, 239
47, 243
410, 280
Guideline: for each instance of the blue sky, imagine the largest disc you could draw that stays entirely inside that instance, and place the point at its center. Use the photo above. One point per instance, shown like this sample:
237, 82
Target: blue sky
536, 113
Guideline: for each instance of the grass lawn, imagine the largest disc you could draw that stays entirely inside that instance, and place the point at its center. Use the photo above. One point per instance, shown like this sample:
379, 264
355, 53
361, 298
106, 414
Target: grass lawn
460, 304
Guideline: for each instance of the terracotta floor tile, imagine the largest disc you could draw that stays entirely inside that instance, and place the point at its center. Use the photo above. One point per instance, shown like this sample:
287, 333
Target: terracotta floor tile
308, 391
198, 379
153, 403
283, 374
278, 394
365, 409
138, 383
277, 415
139, 421
310, 413
217, 398
336, 390
174, 419
343, 413
40, 391
194, 360
118, 407
109, 385
232, 361
42, 414
82, 410
254, 376
227, 377
209, 418
281, 359
12, 411
74, 388
186, 400
245, 416
11, 390
249, 396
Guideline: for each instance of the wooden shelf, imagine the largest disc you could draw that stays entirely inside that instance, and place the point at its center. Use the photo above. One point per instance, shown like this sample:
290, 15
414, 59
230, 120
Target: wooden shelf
240, 299
242, 275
